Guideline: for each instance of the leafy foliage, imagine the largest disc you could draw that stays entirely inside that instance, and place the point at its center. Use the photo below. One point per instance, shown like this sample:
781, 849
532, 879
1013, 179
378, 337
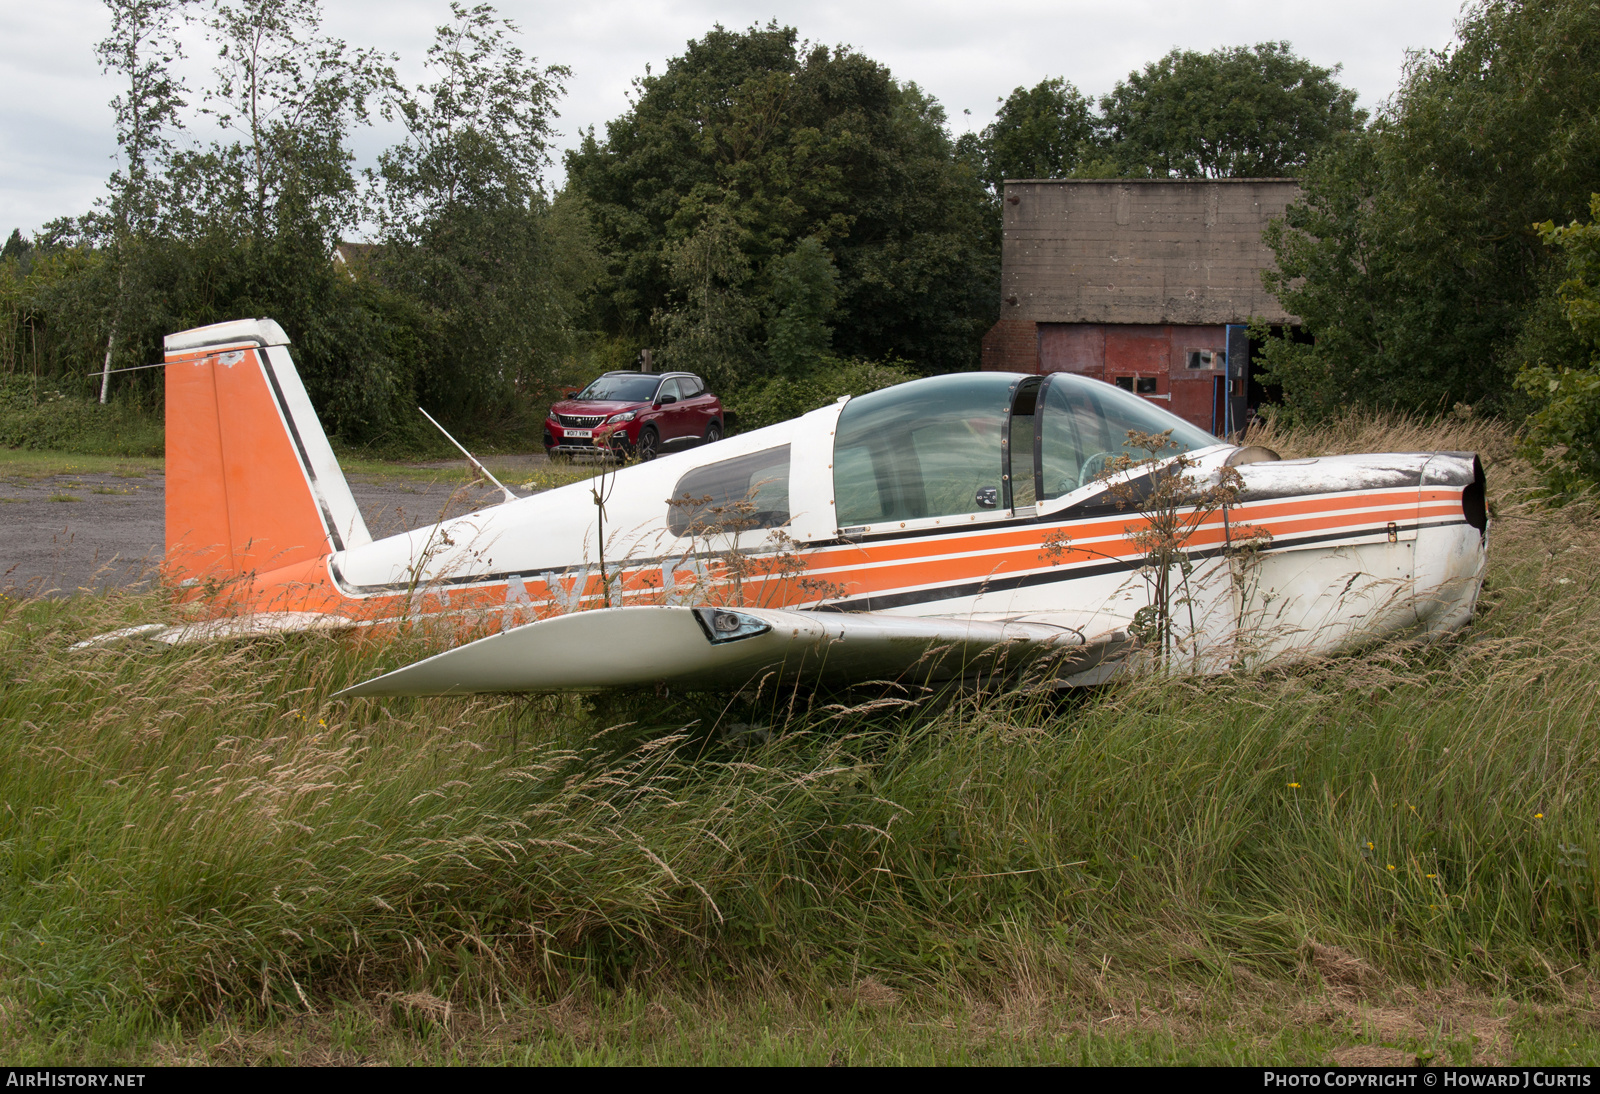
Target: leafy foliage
16, 247
714, 319
468, 303
805, 288
291, 96
465, 222
1563, 435
1412, 258
779, 398
750, 143
38, 416
1042, 132
140, 49
1241, 112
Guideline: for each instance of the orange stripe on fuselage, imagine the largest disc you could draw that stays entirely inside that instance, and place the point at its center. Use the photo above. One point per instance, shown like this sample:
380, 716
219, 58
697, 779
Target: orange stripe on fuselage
960, 557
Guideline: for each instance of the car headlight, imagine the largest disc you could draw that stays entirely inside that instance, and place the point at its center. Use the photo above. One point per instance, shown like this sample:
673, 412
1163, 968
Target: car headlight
625, 416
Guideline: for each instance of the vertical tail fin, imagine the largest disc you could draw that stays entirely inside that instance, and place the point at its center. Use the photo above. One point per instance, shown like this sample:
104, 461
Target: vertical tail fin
252, 484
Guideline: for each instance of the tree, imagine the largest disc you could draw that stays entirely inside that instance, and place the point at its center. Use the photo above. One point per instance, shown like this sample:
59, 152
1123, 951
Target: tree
476, 287
1042, 132
16, 247
141, 48
477, 136
255, 215
805, 287
752, 142
1412, 258
291, 96
1241, 112
711, 319
1563, 435
464, 217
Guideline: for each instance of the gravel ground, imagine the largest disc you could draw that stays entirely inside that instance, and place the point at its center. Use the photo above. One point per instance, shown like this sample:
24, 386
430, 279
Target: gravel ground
64, 534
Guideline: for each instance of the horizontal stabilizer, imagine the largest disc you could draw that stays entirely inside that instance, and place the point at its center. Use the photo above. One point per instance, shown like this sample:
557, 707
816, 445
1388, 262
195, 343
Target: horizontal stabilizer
723, 647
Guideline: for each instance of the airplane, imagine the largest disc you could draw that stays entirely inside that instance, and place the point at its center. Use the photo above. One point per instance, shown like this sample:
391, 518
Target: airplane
950, 527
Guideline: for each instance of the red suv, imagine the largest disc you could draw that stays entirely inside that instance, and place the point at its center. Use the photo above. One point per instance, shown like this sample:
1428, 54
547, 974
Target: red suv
634, 413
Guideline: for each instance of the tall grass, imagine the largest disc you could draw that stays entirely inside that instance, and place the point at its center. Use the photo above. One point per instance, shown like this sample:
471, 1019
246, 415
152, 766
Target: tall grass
186, 832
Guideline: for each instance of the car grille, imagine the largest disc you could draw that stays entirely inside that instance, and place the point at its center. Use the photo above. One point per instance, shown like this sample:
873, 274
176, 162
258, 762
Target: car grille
580, 421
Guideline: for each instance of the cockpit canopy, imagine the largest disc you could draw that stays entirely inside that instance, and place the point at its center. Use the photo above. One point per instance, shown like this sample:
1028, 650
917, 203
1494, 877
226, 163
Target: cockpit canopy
946, 446
973, 442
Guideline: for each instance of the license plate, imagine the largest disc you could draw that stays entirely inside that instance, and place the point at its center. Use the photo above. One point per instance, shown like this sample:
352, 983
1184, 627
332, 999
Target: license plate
579, 432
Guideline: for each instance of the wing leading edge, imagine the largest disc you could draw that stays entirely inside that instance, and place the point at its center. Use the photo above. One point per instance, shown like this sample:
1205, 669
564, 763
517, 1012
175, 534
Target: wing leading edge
729, 647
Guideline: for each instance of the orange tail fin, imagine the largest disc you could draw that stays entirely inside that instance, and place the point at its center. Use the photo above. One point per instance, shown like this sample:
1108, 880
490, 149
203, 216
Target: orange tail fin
252, 484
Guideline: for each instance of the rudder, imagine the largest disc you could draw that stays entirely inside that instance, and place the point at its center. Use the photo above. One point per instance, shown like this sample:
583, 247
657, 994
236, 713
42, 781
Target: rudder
252, 484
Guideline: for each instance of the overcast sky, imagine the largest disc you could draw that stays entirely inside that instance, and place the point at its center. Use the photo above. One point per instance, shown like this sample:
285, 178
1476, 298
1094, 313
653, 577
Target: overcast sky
56, 141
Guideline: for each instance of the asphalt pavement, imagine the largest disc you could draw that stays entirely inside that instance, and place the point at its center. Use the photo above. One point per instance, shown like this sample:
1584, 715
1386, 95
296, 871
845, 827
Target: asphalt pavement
65, 534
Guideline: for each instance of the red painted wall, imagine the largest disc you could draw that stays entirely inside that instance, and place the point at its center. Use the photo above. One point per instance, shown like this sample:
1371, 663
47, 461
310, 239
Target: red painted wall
1158, 354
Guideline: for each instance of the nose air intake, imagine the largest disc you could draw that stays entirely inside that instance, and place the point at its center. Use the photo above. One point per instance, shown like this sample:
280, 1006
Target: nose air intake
1474, 502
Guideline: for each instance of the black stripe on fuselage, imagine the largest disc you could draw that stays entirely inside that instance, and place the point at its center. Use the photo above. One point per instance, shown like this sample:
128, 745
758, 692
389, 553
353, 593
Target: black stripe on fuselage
877, 602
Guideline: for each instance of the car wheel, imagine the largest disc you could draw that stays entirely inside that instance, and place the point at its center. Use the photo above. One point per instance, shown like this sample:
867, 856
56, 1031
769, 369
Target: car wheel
713, 433
649, 443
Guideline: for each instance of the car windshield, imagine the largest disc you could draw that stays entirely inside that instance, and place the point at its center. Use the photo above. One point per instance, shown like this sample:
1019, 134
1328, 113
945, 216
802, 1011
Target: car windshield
635, 388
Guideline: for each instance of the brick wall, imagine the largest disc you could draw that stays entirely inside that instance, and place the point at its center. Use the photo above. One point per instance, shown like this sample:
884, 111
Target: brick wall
1012, 345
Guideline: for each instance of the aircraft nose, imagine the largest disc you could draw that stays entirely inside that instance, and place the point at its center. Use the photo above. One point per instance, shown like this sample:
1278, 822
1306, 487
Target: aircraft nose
1452, 546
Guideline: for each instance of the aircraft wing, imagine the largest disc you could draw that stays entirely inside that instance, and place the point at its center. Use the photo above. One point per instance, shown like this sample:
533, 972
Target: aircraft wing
730, 647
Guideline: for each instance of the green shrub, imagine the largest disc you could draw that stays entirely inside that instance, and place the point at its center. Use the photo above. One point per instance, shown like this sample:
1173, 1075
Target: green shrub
780, 398
35, 415
1563, 436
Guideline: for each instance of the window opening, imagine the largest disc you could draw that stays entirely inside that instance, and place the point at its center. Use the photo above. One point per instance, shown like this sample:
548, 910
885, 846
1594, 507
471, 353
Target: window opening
1125, 383
1020, 446
732, 495
1083, 425
1146, 385
931, 448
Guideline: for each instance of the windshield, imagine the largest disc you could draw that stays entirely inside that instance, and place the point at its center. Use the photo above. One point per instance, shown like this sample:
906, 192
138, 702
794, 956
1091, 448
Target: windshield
937, 447
635, 388
1084, 425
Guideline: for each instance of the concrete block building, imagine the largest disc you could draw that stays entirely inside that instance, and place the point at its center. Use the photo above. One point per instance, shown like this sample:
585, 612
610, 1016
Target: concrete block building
1147, 284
